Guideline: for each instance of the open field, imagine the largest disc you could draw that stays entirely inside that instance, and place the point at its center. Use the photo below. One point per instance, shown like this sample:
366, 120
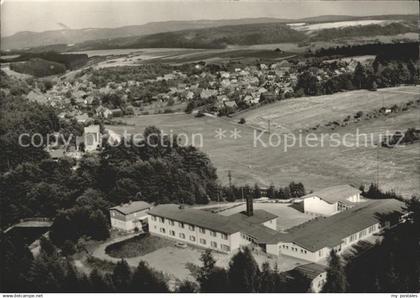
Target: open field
322, 109
320, 26
316, 167
133, 57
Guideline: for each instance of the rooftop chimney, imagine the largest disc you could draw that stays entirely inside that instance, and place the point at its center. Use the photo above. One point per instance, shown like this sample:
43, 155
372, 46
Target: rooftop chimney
249, 206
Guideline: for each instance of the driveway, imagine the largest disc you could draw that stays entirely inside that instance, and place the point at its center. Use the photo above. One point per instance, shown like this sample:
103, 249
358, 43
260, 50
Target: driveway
176, 262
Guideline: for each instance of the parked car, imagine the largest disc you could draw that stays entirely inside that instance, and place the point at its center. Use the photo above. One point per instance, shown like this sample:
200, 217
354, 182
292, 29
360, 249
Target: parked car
181, 245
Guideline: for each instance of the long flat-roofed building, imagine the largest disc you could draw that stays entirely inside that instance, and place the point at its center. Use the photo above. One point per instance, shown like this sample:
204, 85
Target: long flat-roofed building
211, 230
311, 241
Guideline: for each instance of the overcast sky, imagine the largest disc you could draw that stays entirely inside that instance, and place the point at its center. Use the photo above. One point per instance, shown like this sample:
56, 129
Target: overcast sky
35, 15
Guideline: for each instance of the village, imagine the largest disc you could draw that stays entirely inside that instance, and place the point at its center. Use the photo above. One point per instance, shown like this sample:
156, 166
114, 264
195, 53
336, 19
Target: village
212, 147
202, 90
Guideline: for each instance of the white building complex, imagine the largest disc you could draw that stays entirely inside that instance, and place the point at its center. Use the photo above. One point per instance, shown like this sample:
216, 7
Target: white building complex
211, 230
311, 241
331, 200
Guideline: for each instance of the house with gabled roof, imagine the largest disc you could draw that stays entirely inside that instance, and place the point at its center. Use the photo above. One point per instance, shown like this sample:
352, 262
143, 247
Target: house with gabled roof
130, 216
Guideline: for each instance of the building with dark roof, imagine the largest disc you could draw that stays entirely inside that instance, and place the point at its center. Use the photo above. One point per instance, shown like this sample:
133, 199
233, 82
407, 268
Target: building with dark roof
312, 241
315, 273
211, 230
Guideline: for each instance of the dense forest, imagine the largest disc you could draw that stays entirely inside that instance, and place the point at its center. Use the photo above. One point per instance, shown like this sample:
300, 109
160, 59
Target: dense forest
50, 272
365, 31
205, 38
32, 184
402, 51
394, 64
45, 63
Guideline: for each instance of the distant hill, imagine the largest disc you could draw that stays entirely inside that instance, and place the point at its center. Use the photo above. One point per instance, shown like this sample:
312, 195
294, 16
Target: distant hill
98, 38
28, 39
208, 38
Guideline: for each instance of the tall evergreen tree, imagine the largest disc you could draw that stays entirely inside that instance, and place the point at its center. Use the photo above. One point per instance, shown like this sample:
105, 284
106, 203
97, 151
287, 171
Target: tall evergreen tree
100, 283
16, 260
187, 286
210, 278
336, 278
267, 280
99, 225
121, 276
146, 280
256, 191
243, 272
359, 76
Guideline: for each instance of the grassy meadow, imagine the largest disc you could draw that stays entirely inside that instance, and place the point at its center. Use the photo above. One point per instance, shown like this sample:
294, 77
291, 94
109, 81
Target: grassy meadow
316, 167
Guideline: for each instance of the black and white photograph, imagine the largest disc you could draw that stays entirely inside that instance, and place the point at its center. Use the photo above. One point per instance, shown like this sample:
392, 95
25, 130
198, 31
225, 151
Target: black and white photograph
209, 146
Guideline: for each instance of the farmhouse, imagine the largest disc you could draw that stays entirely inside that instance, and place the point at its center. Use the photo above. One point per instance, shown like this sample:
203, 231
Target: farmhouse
311, 241
128, 217
331, 200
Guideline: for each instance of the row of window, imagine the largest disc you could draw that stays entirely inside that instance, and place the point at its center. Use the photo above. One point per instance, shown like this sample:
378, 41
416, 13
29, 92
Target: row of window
190, 227
248, 238
372, 229
304, 251
213, 244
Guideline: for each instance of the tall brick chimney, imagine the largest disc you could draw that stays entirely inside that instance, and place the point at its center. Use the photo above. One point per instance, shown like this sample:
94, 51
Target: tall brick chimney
249, 206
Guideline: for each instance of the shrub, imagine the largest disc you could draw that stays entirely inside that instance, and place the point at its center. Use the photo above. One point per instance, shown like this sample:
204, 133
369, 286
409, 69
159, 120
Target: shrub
358, 114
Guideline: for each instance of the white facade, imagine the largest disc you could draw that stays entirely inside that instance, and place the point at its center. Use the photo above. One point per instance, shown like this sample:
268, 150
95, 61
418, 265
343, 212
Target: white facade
318, 282
331, 200
123, 225
128, 222
296, 251
317, 206
194, 235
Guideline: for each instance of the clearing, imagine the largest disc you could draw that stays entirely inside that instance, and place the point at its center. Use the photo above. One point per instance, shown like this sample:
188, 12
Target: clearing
322, 109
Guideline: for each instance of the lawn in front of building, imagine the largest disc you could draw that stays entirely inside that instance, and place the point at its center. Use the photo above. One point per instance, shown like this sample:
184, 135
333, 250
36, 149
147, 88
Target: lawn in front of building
137, 246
